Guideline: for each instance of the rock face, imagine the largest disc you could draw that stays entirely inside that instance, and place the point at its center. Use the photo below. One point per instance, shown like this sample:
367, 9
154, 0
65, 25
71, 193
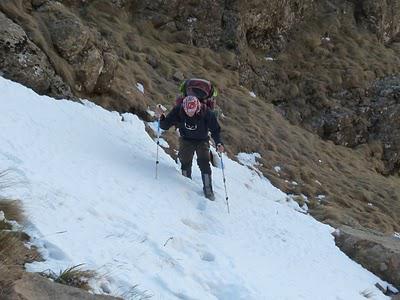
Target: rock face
378, 253
22, 60
45, 45
323, 92
373, 117
364, 116
381, 17
90, 56
232, 24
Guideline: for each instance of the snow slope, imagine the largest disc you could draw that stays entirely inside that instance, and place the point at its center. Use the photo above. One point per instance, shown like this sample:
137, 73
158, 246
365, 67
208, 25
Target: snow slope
87, 180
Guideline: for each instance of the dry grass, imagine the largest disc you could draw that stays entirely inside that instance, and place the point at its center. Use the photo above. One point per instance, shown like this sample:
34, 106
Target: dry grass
74, 276
13, 252
12, 210
13, 256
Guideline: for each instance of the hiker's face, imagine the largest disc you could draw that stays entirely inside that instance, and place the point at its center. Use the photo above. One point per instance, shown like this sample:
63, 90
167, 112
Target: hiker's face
191, 113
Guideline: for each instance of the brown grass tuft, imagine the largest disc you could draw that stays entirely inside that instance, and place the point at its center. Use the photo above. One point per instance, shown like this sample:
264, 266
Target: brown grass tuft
74, 276
12, 210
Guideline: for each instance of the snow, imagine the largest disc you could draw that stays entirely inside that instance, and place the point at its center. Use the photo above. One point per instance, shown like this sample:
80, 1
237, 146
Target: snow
140, 87
191, 20
91, 195
150, 112
268, 58
248, 159
252, 94
277, 169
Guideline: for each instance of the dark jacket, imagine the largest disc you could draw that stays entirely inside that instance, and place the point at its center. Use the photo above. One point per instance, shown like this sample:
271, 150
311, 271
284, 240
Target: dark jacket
193, 128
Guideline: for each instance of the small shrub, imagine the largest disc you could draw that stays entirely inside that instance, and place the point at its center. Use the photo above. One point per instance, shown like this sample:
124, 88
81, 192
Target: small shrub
73, 276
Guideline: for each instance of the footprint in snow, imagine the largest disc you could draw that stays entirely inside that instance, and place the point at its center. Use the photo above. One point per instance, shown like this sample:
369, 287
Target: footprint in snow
54, 252
202, 205
207, 256
194, 225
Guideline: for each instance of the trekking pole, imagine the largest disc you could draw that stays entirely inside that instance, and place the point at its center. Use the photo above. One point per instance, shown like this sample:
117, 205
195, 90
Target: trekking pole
159, 106
158, 144
223, 176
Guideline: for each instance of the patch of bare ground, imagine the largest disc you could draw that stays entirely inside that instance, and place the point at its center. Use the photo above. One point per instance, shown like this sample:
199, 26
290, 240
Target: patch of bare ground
13, 251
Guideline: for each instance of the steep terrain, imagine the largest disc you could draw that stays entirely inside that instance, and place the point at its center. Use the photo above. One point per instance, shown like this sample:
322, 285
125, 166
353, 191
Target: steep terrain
92, 198
325, 76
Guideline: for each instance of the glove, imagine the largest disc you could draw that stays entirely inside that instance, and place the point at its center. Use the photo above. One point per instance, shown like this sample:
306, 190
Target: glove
159, 111
220, 148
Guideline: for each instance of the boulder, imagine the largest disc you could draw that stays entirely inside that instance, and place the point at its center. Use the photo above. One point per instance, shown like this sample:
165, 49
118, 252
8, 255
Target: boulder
88, 66
107, 74
68, 34
91, 58
376, 252
22, 61
35, 287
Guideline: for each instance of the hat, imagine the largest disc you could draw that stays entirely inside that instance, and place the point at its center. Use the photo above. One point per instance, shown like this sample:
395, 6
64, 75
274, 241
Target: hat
191, 105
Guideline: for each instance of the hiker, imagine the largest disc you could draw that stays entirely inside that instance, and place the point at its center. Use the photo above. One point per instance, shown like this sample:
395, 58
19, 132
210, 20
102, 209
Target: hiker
194, 121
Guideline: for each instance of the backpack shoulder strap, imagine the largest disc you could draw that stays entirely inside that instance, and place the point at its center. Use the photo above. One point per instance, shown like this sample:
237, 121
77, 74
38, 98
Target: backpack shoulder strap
179, 100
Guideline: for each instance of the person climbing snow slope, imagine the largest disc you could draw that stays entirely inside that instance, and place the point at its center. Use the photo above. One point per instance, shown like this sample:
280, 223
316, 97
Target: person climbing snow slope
194, 121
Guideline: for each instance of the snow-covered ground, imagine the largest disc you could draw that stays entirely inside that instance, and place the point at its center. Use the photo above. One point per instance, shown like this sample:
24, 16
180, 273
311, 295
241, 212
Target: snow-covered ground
87, 180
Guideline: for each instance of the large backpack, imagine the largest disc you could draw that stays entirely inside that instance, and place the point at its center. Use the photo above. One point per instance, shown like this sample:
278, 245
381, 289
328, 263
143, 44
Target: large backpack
201, 88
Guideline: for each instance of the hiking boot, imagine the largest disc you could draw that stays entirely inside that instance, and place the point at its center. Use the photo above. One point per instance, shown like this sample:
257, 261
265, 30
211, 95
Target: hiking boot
207, 187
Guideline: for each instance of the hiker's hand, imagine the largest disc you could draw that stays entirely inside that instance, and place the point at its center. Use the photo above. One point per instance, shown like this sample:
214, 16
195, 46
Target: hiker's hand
220, 148
159, 111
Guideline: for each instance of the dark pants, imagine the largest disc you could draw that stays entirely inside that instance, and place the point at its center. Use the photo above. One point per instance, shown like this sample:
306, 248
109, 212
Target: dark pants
187, 148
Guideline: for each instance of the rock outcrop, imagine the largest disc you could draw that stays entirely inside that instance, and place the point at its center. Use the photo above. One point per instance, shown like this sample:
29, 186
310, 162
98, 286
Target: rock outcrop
372, 119
24, 61
35, 287
48, 48
232, 24
89, 56
376, 252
